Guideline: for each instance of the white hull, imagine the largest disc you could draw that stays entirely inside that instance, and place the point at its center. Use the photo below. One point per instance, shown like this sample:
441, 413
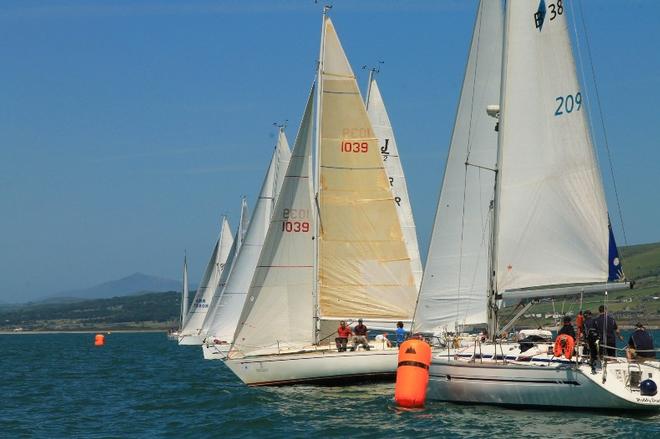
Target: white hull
322, 366
539, 380
191, 340
215, 351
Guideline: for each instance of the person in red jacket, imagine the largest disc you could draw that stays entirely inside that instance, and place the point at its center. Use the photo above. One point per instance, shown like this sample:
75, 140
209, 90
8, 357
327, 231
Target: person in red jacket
343, 333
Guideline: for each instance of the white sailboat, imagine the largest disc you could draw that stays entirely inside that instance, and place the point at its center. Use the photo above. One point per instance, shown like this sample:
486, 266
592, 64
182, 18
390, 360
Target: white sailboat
334, 250
546, 229
223, 321
243, 222
174, 335
380, 121
190, 333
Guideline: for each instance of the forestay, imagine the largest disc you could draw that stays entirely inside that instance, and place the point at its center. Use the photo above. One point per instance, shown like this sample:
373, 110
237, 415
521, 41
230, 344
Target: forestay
455, 282
552, 217
233, 297
210, 281
389, 152
364, 267
279, 308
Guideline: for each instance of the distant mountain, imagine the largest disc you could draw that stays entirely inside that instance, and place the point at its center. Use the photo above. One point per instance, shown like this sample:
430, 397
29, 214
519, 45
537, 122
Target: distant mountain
133, 284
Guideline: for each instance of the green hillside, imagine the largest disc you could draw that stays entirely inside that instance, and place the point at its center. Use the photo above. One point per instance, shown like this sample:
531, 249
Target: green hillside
144, 311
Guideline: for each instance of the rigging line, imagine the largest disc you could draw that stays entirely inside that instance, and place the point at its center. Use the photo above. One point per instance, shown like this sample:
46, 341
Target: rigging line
602, 121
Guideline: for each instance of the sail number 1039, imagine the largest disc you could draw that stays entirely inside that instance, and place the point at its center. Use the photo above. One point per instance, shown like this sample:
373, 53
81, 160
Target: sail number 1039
357, 147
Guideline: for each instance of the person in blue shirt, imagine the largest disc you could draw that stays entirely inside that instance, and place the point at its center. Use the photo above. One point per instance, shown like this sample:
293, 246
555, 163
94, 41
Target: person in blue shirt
640, 345
608, 331
400, 333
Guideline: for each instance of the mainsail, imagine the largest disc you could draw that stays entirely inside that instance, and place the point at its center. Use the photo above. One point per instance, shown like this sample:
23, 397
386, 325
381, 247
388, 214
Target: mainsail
363, 264
209, 282
383, 131
243, 223
454, 286
279, 308
551, 226
232, 298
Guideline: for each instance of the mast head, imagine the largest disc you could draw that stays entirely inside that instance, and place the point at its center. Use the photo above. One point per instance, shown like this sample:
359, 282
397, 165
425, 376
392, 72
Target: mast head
326, 9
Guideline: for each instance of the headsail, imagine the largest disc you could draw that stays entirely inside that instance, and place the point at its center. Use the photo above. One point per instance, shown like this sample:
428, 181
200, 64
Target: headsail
243, 223
210, 281
380, 122
551, 211
233, 297
184, 294
454, 286
279, 308
364, 268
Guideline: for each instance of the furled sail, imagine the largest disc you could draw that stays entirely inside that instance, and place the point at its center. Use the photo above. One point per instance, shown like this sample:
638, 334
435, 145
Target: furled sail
389, 152
184, 295
233, 297
454, 286
551, 226
243, 223
279, 308
209, 282
363, 268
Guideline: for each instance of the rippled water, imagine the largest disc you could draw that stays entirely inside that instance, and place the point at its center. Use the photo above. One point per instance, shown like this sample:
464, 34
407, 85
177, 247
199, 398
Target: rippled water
142, 385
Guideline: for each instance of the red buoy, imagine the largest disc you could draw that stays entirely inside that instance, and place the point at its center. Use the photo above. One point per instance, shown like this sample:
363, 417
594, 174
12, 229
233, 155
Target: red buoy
412, 374
99, 340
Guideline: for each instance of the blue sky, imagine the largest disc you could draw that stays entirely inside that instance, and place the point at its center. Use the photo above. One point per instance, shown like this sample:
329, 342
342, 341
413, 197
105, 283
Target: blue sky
127, 128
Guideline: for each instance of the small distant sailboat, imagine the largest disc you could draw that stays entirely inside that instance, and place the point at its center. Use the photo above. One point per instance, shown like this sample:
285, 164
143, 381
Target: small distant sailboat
380, 121
334, 249
541, 231
174, 335
190, 333
222, 323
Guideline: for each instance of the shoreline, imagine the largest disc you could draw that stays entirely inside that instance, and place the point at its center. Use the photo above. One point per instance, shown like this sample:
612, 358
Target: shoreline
87, 331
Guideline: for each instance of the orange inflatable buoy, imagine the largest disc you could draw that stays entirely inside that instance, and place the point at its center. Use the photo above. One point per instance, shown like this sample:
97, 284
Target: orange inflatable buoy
412, 374
99, 340
564, 345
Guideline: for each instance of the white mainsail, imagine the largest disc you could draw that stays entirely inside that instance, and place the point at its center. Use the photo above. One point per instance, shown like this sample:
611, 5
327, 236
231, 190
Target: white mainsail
209, 282
455, 283
243, 223
233, 296
363, 264
279, 307
384, 132
184, 294
551, 226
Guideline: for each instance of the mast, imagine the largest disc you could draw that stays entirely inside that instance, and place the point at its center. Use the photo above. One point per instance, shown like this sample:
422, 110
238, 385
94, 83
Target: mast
317, 168
184, 297
491, 304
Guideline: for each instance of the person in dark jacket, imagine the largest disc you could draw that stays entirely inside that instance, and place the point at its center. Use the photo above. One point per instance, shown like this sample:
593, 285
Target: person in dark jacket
640, 344
591, 335
567, 328
608, 331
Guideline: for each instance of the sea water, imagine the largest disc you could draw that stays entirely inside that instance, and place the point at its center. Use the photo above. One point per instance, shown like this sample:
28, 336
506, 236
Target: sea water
141, 385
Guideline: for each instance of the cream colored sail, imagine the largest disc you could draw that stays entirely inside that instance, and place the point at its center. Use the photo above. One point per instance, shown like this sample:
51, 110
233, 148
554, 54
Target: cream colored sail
279, 308
364, 268
552, 217
455, 282
389, 151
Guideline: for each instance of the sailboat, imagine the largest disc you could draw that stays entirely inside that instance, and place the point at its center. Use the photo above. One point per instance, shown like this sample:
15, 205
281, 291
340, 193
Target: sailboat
190, 333
541, 230
334, 249
183, 312
222, 323
380, 121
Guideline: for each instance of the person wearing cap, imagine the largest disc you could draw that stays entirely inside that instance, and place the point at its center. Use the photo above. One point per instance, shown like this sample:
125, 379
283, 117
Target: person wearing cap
360, 336
567, 328
343, 333
640, 344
